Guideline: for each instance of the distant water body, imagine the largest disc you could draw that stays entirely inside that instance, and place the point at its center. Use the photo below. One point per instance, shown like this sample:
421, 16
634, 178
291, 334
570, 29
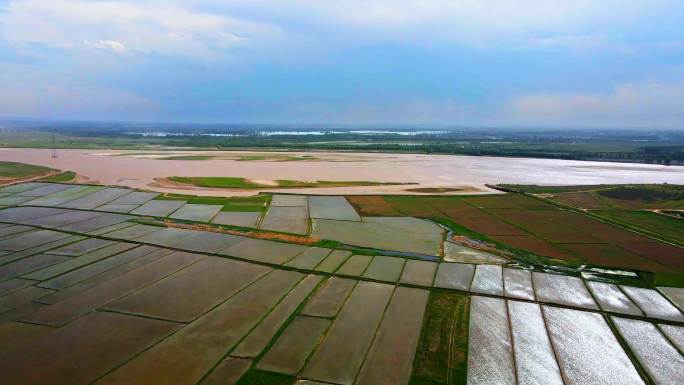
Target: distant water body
138, 171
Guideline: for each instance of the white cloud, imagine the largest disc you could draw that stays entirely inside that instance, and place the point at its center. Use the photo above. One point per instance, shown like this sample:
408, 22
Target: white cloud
110, 45
164, 27
636, 104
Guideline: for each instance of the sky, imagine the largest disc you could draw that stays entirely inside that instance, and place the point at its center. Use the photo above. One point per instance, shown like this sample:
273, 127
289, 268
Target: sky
545, 63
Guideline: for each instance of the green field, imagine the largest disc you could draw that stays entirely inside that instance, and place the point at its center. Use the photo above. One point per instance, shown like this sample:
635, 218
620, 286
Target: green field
14, 170
256, 203
658, 224
66, 176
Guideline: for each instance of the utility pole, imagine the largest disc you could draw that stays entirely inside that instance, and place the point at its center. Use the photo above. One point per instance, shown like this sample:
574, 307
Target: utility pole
54, 148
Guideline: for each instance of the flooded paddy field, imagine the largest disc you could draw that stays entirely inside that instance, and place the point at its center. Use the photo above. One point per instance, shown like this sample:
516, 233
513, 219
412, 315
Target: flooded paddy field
172, 297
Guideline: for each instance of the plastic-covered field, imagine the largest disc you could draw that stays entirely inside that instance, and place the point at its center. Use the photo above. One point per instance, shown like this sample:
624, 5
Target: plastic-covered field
490, 355
563, 290
332, 207
288, 219
454, 252
675, 295
237, 218
612, 299
653, 304
488, 279
675, 334
518, 283
158, 208
534, 357
405, 234
588, 352
661, 360
195, 212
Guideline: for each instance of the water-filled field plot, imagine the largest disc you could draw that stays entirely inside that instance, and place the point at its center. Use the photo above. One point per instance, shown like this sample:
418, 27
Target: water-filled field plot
355, 265
309, 258
563, 290
31, 239
257, 340
385, 268
290, 351
418, 273
333, 261
454, 276
340, 355
329, 299
83, 273
158, 208
587, 350
661, 360
64, 196
332, 207
288, 219
97, 198
404, 234
77, 262
195, 212
82, 351
73, 307
186, 356
264, 251
237, 218
190, 292
134, 198
29, 264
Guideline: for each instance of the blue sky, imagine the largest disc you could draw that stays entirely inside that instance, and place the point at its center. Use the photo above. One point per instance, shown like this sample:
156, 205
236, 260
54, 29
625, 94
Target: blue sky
544, 63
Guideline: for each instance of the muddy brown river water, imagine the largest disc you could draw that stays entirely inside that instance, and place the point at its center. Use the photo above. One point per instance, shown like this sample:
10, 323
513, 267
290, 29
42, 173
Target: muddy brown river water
139, 170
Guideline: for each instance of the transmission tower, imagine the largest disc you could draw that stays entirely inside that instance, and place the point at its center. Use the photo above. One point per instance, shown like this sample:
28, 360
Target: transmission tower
55, 154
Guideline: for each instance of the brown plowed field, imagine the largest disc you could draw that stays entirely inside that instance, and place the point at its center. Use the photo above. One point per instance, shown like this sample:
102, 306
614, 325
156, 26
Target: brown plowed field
613, 256
535, 245
668, 255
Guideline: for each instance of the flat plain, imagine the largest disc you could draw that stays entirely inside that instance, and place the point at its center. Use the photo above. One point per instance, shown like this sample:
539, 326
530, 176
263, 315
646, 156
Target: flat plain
181, 291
